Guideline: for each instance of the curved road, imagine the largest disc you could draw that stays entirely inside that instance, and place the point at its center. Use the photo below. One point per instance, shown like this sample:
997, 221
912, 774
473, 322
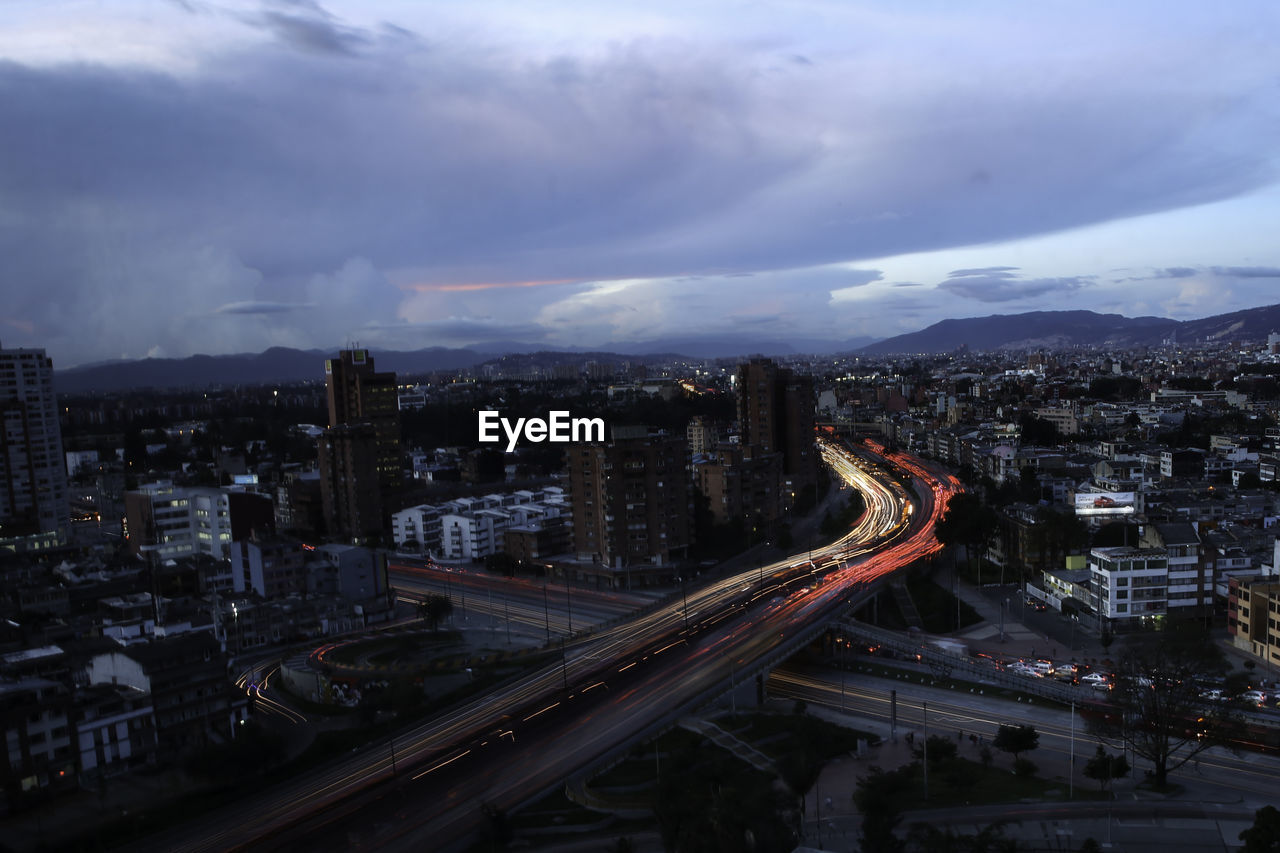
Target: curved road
519, 740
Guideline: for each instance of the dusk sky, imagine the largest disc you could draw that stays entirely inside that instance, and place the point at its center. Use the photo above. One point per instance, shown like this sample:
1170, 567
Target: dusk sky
191, 176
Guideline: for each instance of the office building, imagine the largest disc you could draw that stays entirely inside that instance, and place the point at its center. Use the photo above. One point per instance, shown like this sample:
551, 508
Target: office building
1130, 586
776, 415
349, 487
183, 521
358, 394
359, 454
34, 512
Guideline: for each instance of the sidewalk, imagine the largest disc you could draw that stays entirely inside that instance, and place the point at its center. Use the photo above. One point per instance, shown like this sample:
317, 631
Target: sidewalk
1019, 639
1198, 817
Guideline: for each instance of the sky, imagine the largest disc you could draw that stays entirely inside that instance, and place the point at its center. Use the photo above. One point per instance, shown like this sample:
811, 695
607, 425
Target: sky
218, 176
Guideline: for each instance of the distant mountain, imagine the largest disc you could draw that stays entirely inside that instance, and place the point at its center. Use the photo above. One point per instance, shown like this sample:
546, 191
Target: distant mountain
278, 364
1078, 328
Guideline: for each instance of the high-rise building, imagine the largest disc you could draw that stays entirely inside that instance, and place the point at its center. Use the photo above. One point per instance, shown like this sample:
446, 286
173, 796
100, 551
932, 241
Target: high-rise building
776, 415
33, 481
359, 455
631, 500
358, 394
350, 491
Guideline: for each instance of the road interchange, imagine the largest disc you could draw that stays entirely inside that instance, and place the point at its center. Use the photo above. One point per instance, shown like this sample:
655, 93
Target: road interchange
508, 746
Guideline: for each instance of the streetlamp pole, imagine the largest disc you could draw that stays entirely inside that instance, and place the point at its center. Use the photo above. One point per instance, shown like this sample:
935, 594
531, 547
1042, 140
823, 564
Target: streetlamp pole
568, 602
546, 610
488, 588
1071, 771
924, 712
685, 596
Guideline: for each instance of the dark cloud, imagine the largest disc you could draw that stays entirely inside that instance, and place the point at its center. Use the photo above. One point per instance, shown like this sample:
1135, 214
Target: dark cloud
1176, 272
258, 308
908, 284
987, 272
268, 176
998, 287
313, 35
1247, 272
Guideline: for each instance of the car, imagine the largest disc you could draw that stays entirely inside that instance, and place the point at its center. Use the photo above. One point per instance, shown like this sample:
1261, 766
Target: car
1254, 697
1214, 695
1095, 678
1041, 607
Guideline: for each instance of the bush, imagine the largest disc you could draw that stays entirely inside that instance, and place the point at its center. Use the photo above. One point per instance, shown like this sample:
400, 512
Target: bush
1024, 768
941, 748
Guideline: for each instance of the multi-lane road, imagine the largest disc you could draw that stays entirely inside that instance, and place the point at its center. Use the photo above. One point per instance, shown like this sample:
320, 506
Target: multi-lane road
498, 750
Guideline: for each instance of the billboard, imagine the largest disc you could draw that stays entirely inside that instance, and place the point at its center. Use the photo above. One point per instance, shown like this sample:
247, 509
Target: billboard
1104, 503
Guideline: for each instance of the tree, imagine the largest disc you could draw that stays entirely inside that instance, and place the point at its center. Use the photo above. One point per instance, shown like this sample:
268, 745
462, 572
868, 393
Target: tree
434, 609
1264, 835
941, 750
1016, 739
1104, 767
1159, 713
878, 796
969, 522
799, 770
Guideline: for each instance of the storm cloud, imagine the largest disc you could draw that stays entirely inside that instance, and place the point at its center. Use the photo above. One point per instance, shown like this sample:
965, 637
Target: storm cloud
320, 178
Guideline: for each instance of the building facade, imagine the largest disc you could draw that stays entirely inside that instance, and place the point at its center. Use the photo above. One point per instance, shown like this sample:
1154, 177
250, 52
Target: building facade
1256, 628
631, 499
776, 415
1129, 586
34, 511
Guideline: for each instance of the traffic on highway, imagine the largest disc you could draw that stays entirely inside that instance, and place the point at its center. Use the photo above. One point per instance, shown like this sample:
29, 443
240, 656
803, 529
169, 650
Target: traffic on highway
515, 742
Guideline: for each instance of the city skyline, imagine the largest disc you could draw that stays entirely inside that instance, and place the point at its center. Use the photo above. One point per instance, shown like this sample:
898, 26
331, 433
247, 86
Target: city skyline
224, 177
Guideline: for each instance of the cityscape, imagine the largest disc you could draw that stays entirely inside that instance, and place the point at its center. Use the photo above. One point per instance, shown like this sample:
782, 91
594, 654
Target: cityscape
639, 428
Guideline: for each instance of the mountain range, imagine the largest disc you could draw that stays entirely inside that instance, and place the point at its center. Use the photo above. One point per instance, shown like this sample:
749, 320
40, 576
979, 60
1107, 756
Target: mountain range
1053, 329
1033, 330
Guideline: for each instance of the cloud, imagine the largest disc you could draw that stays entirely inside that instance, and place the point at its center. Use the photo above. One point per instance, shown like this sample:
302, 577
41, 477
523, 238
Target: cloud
987, 272
251, 176
258, 308
1247, 272
1000, 286
908, 284
313, 33
458, 330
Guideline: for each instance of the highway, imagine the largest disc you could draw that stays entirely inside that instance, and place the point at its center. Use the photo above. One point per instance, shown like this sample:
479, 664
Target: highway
517, 741
533, 607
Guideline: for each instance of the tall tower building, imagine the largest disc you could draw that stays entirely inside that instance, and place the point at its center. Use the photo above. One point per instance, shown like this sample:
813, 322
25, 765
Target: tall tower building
359, 454
776, 415
33, 477
358, 394
631, 500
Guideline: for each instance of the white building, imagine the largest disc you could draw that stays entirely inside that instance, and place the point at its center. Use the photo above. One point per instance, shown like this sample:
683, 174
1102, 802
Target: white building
1130, 585
473, 528
182, 521
1190, 581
